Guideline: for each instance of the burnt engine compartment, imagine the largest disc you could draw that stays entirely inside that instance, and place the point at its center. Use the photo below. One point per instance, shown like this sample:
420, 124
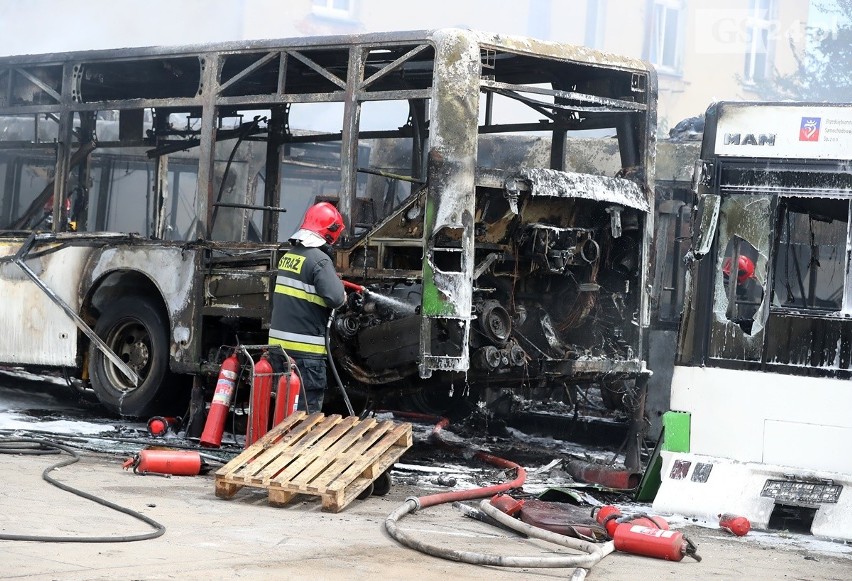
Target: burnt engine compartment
555, 300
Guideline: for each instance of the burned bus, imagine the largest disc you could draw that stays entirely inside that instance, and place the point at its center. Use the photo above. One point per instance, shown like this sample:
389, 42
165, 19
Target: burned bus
148, 193
764, 354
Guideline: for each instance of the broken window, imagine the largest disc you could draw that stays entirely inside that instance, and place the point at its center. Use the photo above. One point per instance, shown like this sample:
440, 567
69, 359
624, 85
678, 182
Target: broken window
27, 175
811, 253
240, 158
741, 267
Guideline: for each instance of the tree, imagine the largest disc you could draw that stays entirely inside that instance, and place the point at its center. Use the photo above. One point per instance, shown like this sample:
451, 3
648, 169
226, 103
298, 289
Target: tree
824, 66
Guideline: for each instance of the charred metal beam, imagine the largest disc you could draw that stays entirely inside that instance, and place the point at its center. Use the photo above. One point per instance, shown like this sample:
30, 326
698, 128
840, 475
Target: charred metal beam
272, 179
221, 135
392, 66
247, 71
388, 174
38, 83
211, 70
317, 68
84, 169
250, 207
268, 100
282, 74
349, 141
19, 259
568, 95
541, 106
26, 145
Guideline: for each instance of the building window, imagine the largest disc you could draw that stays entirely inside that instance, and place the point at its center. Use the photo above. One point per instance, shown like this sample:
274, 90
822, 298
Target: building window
664, 46
595, 21
758, 27
340, 9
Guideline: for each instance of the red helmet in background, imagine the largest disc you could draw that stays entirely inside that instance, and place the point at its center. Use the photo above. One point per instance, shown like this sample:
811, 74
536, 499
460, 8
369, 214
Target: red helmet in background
745, 268
324, 219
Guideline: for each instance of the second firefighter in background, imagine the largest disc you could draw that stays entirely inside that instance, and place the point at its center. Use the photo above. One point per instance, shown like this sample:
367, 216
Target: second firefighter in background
307, 288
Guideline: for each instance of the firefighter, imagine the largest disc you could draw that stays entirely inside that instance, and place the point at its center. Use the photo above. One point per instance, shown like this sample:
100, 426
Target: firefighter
749, 292
307, 288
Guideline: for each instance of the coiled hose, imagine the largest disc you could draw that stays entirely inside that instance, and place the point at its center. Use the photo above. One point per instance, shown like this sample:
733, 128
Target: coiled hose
593, 552
38, 447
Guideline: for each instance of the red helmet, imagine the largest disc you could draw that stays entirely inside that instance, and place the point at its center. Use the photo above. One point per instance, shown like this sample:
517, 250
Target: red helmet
745, 268
324, 219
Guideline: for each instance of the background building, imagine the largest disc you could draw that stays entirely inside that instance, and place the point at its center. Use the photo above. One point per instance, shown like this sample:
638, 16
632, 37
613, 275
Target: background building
703, 50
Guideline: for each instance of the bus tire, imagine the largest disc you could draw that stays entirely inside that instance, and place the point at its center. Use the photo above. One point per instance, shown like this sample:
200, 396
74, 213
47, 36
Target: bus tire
137, 331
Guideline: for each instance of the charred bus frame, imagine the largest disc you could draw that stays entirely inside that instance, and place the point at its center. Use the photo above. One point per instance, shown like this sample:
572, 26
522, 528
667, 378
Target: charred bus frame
515, 273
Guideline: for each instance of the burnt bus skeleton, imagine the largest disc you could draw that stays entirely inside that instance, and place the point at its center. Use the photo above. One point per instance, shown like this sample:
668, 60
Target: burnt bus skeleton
517, 274
556, 258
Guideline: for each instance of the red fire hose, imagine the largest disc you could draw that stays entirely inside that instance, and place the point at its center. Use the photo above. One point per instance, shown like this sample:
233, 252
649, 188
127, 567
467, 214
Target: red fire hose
353, 287
594, 553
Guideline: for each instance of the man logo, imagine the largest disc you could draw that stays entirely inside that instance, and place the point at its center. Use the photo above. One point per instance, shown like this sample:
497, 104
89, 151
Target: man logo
809, 131
750, 139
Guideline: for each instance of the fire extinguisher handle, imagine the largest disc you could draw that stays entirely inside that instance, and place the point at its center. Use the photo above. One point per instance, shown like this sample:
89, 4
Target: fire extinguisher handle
691, 549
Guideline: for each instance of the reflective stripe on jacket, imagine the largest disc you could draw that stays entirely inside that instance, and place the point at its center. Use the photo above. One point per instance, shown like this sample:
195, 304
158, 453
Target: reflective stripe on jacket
306, 289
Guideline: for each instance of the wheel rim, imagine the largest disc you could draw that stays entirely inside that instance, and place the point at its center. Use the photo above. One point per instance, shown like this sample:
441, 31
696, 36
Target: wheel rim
131, 342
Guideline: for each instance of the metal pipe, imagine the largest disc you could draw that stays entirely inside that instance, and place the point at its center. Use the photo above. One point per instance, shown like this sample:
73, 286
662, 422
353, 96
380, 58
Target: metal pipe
19, 258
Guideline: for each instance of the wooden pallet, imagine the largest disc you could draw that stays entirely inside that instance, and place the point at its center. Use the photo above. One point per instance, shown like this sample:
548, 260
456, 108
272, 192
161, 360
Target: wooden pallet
332, 457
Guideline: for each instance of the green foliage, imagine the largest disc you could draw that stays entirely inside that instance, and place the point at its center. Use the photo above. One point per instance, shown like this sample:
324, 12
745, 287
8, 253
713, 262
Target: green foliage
824, 72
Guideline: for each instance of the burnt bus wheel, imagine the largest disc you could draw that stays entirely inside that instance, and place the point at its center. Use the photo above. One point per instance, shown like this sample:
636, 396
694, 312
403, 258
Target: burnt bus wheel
137, 331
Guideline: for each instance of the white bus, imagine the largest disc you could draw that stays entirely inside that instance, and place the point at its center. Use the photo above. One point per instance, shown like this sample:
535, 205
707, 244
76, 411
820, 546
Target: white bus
764, 360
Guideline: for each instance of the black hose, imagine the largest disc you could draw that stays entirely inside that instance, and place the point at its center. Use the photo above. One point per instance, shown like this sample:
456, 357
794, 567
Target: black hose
229, 451
47, 447
333, 366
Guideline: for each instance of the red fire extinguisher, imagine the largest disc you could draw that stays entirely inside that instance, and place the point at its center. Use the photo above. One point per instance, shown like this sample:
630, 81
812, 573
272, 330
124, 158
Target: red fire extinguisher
738, 525
287, 394
261, 390
610, 517
653, 542
159, 426
507, 504
165, 462
225, 387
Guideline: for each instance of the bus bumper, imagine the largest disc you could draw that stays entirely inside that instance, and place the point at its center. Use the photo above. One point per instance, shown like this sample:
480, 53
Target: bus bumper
703, 487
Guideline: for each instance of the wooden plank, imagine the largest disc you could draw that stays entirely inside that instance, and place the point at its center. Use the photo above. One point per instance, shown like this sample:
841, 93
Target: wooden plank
292, 460
268, 453
278, 497
318, 472
331, 457
360, 467
356, 454
337, 501
266, 442
226, 489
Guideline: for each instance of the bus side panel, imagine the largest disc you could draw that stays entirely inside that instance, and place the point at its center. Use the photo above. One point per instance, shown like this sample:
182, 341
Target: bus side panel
35, 330
737, 414
450, 205
172, 270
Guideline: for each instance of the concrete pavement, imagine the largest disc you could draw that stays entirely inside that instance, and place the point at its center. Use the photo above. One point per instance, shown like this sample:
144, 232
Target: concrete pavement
245, 538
